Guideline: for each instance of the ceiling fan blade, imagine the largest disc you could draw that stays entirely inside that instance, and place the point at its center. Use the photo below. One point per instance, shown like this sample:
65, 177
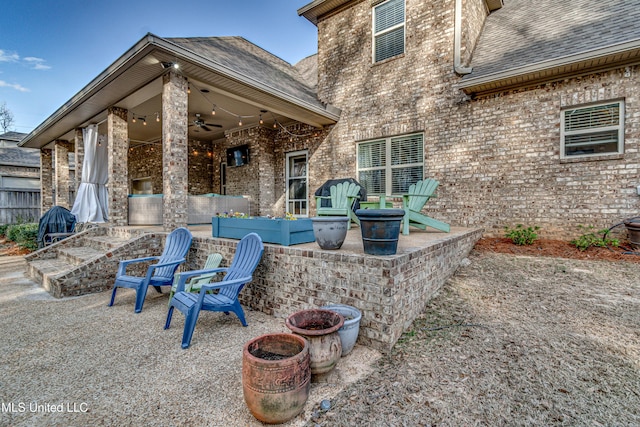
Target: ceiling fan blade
213, 125
205, 128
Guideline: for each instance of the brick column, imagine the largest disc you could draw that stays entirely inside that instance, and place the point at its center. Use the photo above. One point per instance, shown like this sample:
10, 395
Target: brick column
79, 156
118, 147
61, 173
175, 175
46, 180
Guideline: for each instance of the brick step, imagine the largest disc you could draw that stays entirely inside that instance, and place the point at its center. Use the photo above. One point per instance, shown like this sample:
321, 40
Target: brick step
78, 255
104, 243
41, 270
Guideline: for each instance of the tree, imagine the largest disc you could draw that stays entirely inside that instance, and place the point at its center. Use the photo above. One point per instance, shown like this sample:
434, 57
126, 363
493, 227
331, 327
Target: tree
6, 118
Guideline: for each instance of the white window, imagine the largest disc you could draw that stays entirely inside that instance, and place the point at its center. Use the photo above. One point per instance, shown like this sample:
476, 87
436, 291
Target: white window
389, 166
593, 130
388, 30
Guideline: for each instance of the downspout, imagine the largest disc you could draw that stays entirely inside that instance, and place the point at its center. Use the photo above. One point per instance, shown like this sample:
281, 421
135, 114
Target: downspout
457, 41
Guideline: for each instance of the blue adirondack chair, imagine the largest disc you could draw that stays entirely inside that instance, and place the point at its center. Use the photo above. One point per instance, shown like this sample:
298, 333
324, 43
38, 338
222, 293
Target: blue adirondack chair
160, 274
238, 274
413, 202
343, 196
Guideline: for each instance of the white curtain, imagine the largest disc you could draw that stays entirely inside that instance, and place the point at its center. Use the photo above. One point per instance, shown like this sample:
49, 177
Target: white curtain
92, 200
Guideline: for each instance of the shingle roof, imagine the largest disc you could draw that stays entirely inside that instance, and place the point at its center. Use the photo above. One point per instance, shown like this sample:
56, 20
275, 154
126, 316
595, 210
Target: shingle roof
244, 57
12, 136
19, 156
526, 32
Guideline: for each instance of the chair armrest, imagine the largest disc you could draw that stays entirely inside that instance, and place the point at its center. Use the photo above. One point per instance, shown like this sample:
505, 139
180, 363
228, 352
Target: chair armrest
220, 285
182, 277
123, 264
419, 195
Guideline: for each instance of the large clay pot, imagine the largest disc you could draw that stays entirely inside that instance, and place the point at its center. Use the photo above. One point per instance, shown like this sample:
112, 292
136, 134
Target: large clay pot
349, 331
330, 231
633, 229
276, 376
320, 328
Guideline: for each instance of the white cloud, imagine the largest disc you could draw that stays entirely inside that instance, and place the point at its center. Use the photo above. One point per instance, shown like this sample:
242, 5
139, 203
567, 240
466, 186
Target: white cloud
36, 63
8, 57
15, 86
31, 61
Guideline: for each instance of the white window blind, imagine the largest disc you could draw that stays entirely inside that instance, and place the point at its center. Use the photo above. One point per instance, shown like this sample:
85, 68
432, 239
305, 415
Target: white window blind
388, 29
593, 130
389, 166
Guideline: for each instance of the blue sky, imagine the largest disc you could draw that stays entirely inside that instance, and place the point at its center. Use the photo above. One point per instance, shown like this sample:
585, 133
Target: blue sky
50, 49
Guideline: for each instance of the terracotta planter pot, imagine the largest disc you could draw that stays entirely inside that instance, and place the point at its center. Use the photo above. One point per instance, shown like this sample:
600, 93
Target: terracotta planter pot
320, 328
276, 376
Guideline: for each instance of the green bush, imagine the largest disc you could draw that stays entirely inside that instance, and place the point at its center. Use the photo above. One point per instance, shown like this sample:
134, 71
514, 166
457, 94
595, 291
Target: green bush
522, 236
12, 232
590, 238
25, 235
3, 229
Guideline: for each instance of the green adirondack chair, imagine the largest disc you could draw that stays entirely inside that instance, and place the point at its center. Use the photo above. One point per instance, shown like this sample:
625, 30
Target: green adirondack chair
343, 196
413, 202
195, 283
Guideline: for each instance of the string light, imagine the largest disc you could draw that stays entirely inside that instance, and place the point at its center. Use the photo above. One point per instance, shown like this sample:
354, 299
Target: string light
239, 121
213, 110
157, 117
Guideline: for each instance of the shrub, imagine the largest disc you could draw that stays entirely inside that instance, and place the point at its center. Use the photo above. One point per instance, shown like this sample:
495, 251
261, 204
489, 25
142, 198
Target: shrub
3, 229
25, 235
590, 238
12, 232
522, 236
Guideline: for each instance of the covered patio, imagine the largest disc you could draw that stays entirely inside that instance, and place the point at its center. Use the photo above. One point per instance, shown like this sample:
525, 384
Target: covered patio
169, 113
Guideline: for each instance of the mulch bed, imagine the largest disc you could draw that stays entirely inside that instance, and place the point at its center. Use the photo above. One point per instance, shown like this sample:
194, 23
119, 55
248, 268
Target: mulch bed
557, 249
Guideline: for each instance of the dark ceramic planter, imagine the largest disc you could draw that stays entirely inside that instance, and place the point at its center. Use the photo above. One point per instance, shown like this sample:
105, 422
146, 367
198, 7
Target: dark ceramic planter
633, 230
276, 376
380, 230
320, 328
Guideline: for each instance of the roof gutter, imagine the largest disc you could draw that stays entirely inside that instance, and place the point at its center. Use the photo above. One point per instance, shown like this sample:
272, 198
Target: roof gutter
556, 63
457, 42
96, 84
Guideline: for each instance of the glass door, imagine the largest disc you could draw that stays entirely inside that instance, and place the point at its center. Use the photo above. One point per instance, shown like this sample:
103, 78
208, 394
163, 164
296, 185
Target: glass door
297, 183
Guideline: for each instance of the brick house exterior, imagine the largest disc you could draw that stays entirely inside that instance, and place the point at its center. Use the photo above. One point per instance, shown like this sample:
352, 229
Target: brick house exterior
480, 87
496, 154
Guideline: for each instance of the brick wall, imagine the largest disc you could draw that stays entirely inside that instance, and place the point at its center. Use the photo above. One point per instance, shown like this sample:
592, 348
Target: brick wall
390, 291
497, 157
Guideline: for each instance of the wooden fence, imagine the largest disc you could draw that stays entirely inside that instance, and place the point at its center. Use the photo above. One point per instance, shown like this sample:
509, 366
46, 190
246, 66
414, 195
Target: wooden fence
19, 205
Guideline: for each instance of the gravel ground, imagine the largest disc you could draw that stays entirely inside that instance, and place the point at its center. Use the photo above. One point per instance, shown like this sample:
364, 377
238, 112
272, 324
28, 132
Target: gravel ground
509, 341
512, 341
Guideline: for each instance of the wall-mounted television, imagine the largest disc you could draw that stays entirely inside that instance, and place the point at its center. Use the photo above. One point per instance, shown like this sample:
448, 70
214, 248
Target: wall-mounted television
238, 156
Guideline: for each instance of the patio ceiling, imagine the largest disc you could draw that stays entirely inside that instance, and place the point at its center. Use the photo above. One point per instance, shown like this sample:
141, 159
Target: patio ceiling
134, 82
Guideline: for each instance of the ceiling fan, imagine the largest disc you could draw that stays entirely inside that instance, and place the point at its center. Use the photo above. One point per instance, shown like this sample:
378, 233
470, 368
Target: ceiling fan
199, 122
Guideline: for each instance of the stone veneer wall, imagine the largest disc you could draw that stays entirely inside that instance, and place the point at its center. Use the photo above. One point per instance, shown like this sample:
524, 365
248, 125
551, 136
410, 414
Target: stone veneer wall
263, 179
389, 291
497, 157
146, 161
46, 179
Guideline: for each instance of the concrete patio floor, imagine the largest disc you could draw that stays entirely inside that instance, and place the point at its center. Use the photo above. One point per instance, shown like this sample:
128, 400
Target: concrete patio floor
114, 367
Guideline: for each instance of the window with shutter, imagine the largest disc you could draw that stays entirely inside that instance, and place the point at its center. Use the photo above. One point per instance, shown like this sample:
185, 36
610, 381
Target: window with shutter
592, 130
388, 30
391, 165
